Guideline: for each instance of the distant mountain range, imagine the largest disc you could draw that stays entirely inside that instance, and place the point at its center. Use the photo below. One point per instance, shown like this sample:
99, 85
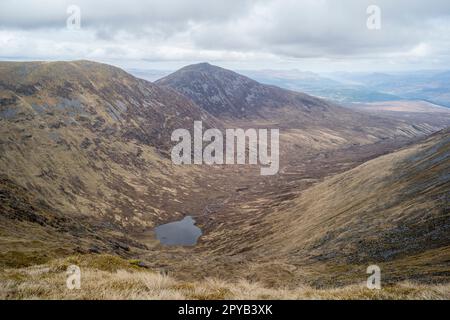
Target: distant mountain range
320, 86
149, 74
430, 86
349, 87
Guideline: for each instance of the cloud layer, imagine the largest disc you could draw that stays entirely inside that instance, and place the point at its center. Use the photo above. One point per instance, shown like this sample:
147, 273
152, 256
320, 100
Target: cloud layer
307, 34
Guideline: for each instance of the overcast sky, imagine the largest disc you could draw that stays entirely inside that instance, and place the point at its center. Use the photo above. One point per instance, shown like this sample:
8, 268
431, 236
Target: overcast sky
316, 35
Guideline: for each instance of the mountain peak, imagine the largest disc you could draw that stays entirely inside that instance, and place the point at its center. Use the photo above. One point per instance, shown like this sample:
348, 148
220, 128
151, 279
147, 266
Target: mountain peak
217, 90
209, 69
223, 92
201, 65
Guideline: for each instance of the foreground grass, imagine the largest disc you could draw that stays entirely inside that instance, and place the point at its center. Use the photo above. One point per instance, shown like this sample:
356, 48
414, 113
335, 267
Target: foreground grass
108, 277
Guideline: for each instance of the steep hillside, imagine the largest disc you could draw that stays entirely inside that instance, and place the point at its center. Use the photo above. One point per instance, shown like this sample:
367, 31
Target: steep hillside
92, 143
226, 93
393, 211
32, 231
118, 104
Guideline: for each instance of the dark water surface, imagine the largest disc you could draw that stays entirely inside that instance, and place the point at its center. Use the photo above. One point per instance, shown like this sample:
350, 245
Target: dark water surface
179, 233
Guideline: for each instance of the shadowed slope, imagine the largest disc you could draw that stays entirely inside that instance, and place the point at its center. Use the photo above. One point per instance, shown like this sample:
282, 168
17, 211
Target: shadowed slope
226, 93
389, 210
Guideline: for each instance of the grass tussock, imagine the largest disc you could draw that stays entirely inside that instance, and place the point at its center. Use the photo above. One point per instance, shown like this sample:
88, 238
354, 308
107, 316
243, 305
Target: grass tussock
108, 277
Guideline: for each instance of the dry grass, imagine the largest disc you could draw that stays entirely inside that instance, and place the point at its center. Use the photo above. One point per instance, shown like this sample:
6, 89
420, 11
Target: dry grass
379, 211
108, 277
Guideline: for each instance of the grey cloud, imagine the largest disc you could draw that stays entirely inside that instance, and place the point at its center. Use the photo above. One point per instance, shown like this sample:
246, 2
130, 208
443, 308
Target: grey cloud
305, 28
230, 29
118, 14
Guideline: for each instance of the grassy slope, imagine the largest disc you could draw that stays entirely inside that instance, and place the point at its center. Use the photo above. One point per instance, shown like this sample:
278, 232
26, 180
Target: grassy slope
393, 210
86, 142
109, 277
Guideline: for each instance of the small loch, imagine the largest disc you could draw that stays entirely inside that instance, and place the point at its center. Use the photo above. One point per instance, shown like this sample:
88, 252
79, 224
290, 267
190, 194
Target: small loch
179, 233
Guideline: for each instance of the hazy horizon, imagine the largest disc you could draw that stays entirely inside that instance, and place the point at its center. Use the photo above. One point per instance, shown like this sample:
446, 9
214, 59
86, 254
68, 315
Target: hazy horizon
167, 68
